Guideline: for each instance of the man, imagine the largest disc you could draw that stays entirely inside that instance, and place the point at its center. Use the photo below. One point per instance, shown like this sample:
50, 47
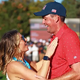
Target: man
65, 63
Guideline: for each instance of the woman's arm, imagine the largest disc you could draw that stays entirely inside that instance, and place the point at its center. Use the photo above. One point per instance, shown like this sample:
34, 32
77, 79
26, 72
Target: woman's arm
49, 53
42, 66
20, 71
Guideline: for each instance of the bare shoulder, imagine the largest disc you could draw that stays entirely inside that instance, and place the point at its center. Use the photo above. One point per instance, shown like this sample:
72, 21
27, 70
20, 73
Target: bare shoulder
13, 66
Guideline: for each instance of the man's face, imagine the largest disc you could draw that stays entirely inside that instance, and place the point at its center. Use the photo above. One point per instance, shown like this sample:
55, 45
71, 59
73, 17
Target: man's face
50, 22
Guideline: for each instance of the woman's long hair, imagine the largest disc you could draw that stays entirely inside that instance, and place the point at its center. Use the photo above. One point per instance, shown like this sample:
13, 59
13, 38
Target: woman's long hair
8, 47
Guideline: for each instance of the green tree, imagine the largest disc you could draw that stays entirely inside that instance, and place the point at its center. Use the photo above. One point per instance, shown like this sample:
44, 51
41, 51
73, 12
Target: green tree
78, 9
14, 16
37, 6
72, 7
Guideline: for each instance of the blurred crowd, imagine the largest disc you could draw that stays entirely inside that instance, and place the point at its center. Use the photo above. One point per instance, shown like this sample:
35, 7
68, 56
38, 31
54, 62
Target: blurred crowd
36, 50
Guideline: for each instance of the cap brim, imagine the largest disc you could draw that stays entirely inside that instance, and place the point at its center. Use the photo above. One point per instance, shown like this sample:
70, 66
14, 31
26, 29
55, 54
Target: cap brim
41, 13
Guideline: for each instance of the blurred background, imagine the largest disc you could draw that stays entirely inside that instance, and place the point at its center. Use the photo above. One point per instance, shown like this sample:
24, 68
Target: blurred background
18, 14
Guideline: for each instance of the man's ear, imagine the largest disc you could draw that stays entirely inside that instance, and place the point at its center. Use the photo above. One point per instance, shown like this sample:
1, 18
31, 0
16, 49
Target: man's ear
56, 18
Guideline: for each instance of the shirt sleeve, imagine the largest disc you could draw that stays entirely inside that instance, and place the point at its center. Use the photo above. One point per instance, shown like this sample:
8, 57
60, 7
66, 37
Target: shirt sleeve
72, 48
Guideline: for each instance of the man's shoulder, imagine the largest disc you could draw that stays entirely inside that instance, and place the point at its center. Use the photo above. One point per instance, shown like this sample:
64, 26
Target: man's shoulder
69, 32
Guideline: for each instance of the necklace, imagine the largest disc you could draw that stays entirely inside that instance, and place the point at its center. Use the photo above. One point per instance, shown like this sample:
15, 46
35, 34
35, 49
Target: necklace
24, 63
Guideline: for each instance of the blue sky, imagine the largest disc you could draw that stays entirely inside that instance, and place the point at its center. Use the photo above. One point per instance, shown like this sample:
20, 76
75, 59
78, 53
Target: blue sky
35, 0
59, 1
3, 0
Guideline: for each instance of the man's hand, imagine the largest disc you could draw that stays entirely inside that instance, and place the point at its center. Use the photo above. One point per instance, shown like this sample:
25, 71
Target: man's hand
40, 77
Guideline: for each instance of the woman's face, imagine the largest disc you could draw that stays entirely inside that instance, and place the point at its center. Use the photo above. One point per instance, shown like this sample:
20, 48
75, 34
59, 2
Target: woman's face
23, 43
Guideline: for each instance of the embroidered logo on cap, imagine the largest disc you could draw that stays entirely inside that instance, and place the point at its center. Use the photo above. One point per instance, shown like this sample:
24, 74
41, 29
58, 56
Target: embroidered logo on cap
54, 10
44, 7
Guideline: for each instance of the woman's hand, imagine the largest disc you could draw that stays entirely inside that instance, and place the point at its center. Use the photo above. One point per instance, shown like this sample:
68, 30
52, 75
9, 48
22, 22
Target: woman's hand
51, 48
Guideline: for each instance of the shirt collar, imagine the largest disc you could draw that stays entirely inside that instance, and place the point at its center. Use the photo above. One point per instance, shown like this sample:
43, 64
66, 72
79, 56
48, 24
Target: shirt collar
60, 32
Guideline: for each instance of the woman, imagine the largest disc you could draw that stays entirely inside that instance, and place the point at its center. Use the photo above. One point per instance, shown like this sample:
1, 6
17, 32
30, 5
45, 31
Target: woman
12, 48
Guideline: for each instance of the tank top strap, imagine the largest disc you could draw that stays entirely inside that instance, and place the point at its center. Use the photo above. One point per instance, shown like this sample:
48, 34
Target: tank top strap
24, 63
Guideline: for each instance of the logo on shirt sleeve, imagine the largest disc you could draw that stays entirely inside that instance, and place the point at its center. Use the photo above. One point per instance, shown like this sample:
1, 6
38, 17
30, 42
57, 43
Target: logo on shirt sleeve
75, 57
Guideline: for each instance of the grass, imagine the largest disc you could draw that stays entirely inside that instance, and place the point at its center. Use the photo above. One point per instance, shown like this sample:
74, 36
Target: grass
2, 77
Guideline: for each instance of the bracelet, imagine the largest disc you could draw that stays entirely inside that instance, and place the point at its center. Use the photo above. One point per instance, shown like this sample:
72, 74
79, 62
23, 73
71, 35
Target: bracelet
46, 58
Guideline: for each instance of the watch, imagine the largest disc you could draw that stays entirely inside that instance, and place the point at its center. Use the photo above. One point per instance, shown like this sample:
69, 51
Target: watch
46, 58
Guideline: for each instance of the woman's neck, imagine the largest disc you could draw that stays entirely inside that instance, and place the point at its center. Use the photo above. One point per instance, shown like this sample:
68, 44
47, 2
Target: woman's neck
20, 56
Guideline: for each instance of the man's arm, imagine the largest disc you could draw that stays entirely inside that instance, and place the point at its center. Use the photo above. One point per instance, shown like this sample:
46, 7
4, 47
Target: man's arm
74, 74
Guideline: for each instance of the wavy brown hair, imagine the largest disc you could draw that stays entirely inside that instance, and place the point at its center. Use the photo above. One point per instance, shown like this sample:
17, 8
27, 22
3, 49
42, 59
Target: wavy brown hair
8, 43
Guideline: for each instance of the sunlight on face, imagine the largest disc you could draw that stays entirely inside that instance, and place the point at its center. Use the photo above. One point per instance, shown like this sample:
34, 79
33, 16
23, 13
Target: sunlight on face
50, 23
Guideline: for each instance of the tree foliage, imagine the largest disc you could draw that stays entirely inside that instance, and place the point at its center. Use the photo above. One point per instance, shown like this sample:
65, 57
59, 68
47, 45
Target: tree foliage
72, 7
37, 6
14, 16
